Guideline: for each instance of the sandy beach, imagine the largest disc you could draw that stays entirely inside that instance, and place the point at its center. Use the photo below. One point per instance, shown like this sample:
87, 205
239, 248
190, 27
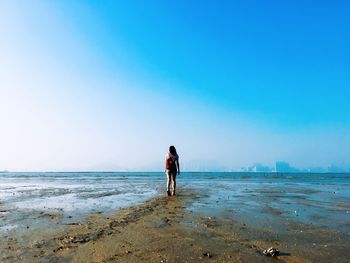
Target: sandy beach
108, 108
164, 230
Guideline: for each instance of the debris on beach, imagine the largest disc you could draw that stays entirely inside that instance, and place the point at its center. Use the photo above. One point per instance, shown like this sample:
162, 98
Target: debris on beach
271, 252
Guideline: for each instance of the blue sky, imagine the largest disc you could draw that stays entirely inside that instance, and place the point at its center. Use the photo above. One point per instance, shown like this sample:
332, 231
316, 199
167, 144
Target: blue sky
94, 84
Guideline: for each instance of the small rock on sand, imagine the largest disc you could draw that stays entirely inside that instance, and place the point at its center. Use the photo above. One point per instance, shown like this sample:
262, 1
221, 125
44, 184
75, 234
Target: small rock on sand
271, 252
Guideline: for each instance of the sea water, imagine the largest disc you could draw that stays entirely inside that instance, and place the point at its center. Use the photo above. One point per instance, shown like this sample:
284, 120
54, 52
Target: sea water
257, 198
274, 199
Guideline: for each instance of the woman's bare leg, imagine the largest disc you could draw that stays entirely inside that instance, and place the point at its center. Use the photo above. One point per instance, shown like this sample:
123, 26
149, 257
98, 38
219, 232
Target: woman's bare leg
168, 175
174, 182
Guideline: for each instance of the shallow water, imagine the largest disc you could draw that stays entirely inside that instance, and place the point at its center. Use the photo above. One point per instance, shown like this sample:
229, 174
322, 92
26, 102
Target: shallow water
268, 200
74, 195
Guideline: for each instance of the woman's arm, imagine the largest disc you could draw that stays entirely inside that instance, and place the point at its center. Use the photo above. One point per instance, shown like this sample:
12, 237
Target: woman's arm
178, 166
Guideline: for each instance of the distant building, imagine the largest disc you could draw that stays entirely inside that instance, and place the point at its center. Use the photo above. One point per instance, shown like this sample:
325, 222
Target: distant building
244, 169
284, 167
259, 168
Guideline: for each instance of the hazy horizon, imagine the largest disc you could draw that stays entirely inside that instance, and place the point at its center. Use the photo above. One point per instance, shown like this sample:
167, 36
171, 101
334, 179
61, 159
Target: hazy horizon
198, 166
90, 85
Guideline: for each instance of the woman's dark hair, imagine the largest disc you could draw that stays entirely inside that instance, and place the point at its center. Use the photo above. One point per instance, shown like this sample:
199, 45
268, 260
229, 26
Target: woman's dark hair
172, 150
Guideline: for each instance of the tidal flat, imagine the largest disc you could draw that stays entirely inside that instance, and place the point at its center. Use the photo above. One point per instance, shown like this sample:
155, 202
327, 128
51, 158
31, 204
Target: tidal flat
214, 217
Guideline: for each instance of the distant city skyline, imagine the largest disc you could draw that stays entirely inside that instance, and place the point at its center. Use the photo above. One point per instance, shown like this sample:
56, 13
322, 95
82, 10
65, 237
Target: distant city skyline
205, 166
105, 85
283, 166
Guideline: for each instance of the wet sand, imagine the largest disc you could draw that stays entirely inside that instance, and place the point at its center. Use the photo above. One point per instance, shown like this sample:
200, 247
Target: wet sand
163, 229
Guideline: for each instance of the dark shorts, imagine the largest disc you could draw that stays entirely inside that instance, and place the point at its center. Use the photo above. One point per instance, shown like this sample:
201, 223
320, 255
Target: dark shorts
171, 173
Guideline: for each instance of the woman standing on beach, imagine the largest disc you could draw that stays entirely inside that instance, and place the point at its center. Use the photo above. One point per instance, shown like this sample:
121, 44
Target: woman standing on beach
172, 168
